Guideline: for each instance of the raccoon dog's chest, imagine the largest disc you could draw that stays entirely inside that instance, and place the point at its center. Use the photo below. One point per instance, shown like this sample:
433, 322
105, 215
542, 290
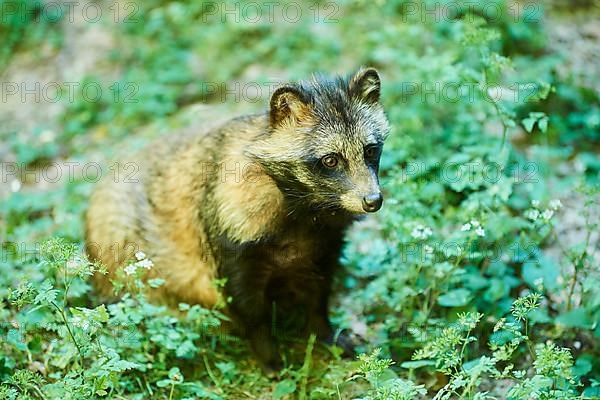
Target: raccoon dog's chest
293, 268
286, 269
292, 258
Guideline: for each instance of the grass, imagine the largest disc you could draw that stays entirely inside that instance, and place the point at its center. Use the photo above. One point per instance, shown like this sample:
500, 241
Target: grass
472, 282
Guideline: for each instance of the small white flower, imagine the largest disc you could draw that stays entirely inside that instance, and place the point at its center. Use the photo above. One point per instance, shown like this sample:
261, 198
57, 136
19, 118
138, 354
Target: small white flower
547, 214
15, 185
74, 262
80, 322
140, 255
428, 249
555, 204
500, 324
535, 203
145, 264
466, 227
416, 233
475, 223
47, 136
130, 269
421, 232
480, 231
532, 214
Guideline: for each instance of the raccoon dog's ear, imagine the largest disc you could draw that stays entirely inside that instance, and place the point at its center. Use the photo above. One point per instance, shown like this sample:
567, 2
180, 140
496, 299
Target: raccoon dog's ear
287, 104
366, 85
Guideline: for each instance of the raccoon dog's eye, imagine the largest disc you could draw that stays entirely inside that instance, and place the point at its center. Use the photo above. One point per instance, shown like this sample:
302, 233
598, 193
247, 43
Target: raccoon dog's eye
330, 161
370, 151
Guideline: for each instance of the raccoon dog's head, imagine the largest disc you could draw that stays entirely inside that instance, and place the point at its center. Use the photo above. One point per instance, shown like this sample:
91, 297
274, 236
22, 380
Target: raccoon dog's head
325, 141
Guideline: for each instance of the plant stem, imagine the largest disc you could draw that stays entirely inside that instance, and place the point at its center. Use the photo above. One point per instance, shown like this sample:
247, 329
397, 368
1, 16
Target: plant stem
498, 112
576, 265
172, 390
527, 341
210, 373
64, 318
306, 366
464, 346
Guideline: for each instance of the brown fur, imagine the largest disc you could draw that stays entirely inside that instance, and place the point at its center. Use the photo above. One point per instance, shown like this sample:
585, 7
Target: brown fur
250, 201
159, 213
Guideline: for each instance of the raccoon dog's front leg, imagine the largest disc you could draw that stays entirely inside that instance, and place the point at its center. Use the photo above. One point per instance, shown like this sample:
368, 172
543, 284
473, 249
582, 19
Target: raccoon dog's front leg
246, 284
250, 311
318, 304
318, 317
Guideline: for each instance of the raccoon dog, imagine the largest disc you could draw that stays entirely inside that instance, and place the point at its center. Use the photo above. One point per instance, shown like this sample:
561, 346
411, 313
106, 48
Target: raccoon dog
262, 201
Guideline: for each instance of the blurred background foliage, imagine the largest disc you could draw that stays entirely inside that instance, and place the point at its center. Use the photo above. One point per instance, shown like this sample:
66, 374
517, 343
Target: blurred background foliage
479, 278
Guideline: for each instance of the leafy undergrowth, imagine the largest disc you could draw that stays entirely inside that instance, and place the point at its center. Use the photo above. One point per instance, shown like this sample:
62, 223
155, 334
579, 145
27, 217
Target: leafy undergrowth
479, 279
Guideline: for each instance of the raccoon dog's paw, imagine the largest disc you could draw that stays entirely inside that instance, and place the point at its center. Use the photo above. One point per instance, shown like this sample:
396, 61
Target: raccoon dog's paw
343, 341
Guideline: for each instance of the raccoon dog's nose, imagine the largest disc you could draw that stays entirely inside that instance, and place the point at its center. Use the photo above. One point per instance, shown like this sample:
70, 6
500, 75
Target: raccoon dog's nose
372, 202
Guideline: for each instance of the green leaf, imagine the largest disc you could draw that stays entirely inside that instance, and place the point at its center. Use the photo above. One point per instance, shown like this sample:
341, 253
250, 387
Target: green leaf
175, 375
455, 298
496, 290
163, 383
528, 123
156, 282
283, 388
14, 337
539, 117
417, 364
577, 318
545, 271
100, 314
582, 366
592, 392
539, 316
543, 124
46, 293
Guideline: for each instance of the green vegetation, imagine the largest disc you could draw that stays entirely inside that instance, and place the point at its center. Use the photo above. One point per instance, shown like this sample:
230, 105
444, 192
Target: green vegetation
479, 278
